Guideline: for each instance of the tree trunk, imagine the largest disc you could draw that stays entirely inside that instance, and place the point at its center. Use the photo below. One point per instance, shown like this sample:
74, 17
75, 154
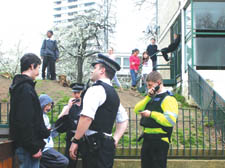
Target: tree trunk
80, 62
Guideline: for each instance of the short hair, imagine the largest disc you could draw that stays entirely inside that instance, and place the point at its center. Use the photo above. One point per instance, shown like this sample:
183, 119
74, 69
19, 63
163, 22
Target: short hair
109, 72
153, 38
27, 60
154, 76
135, 50
50, 31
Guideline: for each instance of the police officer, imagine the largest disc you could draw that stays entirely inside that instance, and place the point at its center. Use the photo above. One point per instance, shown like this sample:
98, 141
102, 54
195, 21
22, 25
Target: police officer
101, 107
159, 111
72, 109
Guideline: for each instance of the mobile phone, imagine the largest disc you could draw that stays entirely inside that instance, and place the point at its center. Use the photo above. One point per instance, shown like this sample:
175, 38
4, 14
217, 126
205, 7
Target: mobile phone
156, 88
76, 100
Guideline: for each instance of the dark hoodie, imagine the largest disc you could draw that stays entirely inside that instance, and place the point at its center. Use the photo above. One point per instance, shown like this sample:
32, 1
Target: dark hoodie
26, 123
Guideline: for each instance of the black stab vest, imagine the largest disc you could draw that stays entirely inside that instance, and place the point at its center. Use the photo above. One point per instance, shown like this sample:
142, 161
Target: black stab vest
155, 105
106, 114
74, 115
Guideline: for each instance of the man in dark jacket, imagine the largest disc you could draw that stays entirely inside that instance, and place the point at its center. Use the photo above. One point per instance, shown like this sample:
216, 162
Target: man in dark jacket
172, 47
151, 50
49, 54
26, 125
72, 110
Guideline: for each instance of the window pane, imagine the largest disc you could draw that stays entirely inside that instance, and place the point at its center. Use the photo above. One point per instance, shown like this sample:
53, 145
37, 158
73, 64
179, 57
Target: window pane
188, 19
72, 0
118, 60
188, 54
209, 15
126, 62
210, 51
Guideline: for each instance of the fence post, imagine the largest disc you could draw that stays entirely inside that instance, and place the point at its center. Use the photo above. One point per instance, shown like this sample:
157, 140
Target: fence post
183, 131
0, 112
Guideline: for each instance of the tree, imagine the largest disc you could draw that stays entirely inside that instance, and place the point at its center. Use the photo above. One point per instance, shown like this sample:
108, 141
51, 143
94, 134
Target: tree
10, 59
152, 25
81, 40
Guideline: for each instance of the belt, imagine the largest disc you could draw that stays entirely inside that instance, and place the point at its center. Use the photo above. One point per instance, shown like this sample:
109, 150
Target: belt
101, 135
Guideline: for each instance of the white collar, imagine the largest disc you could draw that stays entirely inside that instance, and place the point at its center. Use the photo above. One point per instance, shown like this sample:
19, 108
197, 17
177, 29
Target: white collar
106, 80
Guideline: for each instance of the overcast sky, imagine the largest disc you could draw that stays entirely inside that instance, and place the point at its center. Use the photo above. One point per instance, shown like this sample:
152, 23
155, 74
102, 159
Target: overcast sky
25, 20
28, 20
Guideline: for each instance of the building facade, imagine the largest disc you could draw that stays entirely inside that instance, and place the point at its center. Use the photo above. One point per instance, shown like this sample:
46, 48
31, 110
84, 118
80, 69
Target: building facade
201, 24
64, 10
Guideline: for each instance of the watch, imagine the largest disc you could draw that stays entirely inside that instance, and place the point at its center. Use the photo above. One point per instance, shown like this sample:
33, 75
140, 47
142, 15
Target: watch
74, 140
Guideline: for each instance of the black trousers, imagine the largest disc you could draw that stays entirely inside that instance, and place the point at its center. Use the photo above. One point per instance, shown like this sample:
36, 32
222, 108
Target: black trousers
72, 163
154, 153
53, 159
49, 62
103, 157
154, 65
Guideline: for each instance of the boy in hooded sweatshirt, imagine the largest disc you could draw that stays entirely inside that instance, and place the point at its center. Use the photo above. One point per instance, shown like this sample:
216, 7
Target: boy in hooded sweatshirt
50, 157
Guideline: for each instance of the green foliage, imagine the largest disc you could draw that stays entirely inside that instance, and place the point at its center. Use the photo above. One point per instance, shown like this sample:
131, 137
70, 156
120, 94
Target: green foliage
181, 99
5, 100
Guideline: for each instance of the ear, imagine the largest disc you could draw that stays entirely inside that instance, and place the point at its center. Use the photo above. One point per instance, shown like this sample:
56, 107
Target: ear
102, 70
32, 66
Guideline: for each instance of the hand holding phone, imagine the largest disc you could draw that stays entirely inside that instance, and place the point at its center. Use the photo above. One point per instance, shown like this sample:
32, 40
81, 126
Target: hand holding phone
153, 91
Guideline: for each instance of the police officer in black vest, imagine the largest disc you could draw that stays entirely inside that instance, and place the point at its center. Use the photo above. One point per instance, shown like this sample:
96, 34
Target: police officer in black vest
159, 111
70, 116
101, 108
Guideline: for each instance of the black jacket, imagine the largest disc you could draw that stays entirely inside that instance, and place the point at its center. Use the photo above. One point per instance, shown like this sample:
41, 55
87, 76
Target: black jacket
151, 50
172, 47
26, 124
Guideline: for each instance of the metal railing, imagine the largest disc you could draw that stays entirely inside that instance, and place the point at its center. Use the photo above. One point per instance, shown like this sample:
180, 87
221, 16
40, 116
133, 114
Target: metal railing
195, 135
206, 98
4, 113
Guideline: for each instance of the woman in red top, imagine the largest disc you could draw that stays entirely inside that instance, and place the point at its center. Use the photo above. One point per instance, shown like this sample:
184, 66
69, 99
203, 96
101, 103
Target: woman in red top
134, 65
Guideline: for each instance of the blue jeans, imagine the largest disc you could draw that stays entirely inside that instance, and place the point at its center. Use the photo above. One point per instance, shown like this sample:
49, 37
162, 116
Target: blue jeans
26, 160
116, 81
133, 77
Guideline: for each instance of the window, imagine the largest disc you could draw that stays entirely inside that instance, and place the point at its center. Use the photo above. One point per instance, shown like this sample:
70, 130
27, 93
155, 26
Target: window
188, 55
209, 16
72, 6
58, 2
71, 20
57, 16
212, 56
57, 9
71, 13
89, 4
118, 60
126, 63
188, 20
72, 0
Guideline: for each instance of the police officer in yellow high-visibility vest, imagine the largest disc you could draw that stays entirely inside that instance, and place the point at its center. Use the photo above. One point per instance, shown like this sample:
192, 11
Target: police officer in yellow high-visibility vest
159, 111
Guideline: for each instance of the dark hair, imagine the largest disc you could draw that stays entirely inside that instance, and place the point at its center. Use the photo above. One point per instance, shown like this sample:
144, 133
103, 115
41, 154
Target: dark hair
154, 76
50, 31
109, 72
153, 38
27, 60
135, 50
145, 59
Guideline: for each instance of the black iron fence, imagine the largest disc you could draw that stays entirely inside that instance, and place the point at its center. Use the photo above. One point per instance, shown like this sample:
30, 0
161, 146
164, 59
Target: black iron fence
195, 135
206, 98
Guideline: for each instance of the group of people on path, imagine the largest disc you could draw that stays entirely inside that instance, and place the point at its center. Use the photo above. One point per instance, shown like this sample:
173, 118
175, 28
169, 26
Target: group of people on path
87, 119
148, 62
90, 114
